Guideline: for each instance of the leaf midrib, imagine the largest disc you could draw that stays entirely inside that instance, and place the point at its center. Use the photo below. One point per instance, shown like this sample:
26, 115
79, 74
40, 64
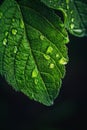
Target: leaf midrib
34, 60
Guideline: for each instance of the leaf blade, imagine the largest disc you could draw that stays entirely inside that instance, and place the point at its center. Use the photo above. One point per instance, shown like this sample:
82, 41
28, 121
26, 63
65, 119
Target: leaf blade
31, 61
74, 13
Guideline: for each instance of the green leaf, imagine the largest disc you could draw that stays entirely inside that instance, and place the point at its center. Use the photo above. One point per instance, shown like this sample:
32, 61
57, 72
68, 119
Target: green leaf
75, 14
33, 53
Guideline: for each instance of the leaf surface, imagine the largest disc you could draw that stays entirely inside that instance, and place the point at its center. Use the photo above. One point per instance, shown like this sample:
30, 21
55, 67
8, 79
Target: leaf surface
33, 53
75, 14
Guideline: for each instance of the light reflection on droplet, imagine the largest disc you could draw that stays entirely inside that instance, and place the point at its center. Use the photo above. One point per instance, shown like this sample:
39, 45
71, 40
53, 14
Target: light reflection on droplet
71, 26
15, 49
57, 56
49, 50
47, 57
63, 61
52, 66
14, 31
36, 81
41, 37
5, 42
34, 73
6, 33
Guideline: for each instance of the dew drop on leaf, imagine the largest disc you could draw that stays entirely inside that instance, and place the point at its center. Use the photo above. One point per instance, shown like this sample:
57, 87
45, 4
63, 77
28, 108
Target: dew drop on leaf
14, 31
36, 81
34, 73
63, 61
47, 57
21, 23
71, 12
49, 50
57, 55
15, 49
13, 20
67, 6
72, 19
52, 65
72, 26
6, 33
78, 30
41, 37
5, 42
67, 2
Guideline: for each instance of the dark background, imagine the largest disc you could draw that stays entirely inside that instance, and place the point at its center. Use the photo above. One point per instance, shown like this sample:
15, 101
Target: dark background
17, 112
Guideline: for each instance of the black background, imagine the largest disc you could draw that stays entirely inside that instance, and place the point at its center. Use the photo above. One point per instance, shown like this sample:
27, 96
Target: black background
17, 112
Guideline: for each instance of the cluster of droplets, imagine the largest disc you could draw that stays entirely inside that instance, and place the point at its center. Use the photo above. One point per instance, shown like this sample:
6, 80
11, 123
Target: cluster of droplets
68, 2
72, 26
72, 21
52, 3
14, 31
5, 41
6, 33
35, 75
61, 60
49, 51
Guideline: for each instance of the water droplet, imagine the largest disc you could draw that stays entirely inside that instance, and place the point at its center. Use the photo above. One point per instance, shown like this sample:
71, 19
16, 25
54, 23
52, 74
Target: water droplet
42, 37
71, 12
15, 49
1, 14
47, 57
13, 20
5, 41
63, 61
14, 31
78, 30
67, 6
72, 19
36, 81
34, 73
67, 2
72, 26
49, 50
57, 55
52, 65
21, 23
6, 33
